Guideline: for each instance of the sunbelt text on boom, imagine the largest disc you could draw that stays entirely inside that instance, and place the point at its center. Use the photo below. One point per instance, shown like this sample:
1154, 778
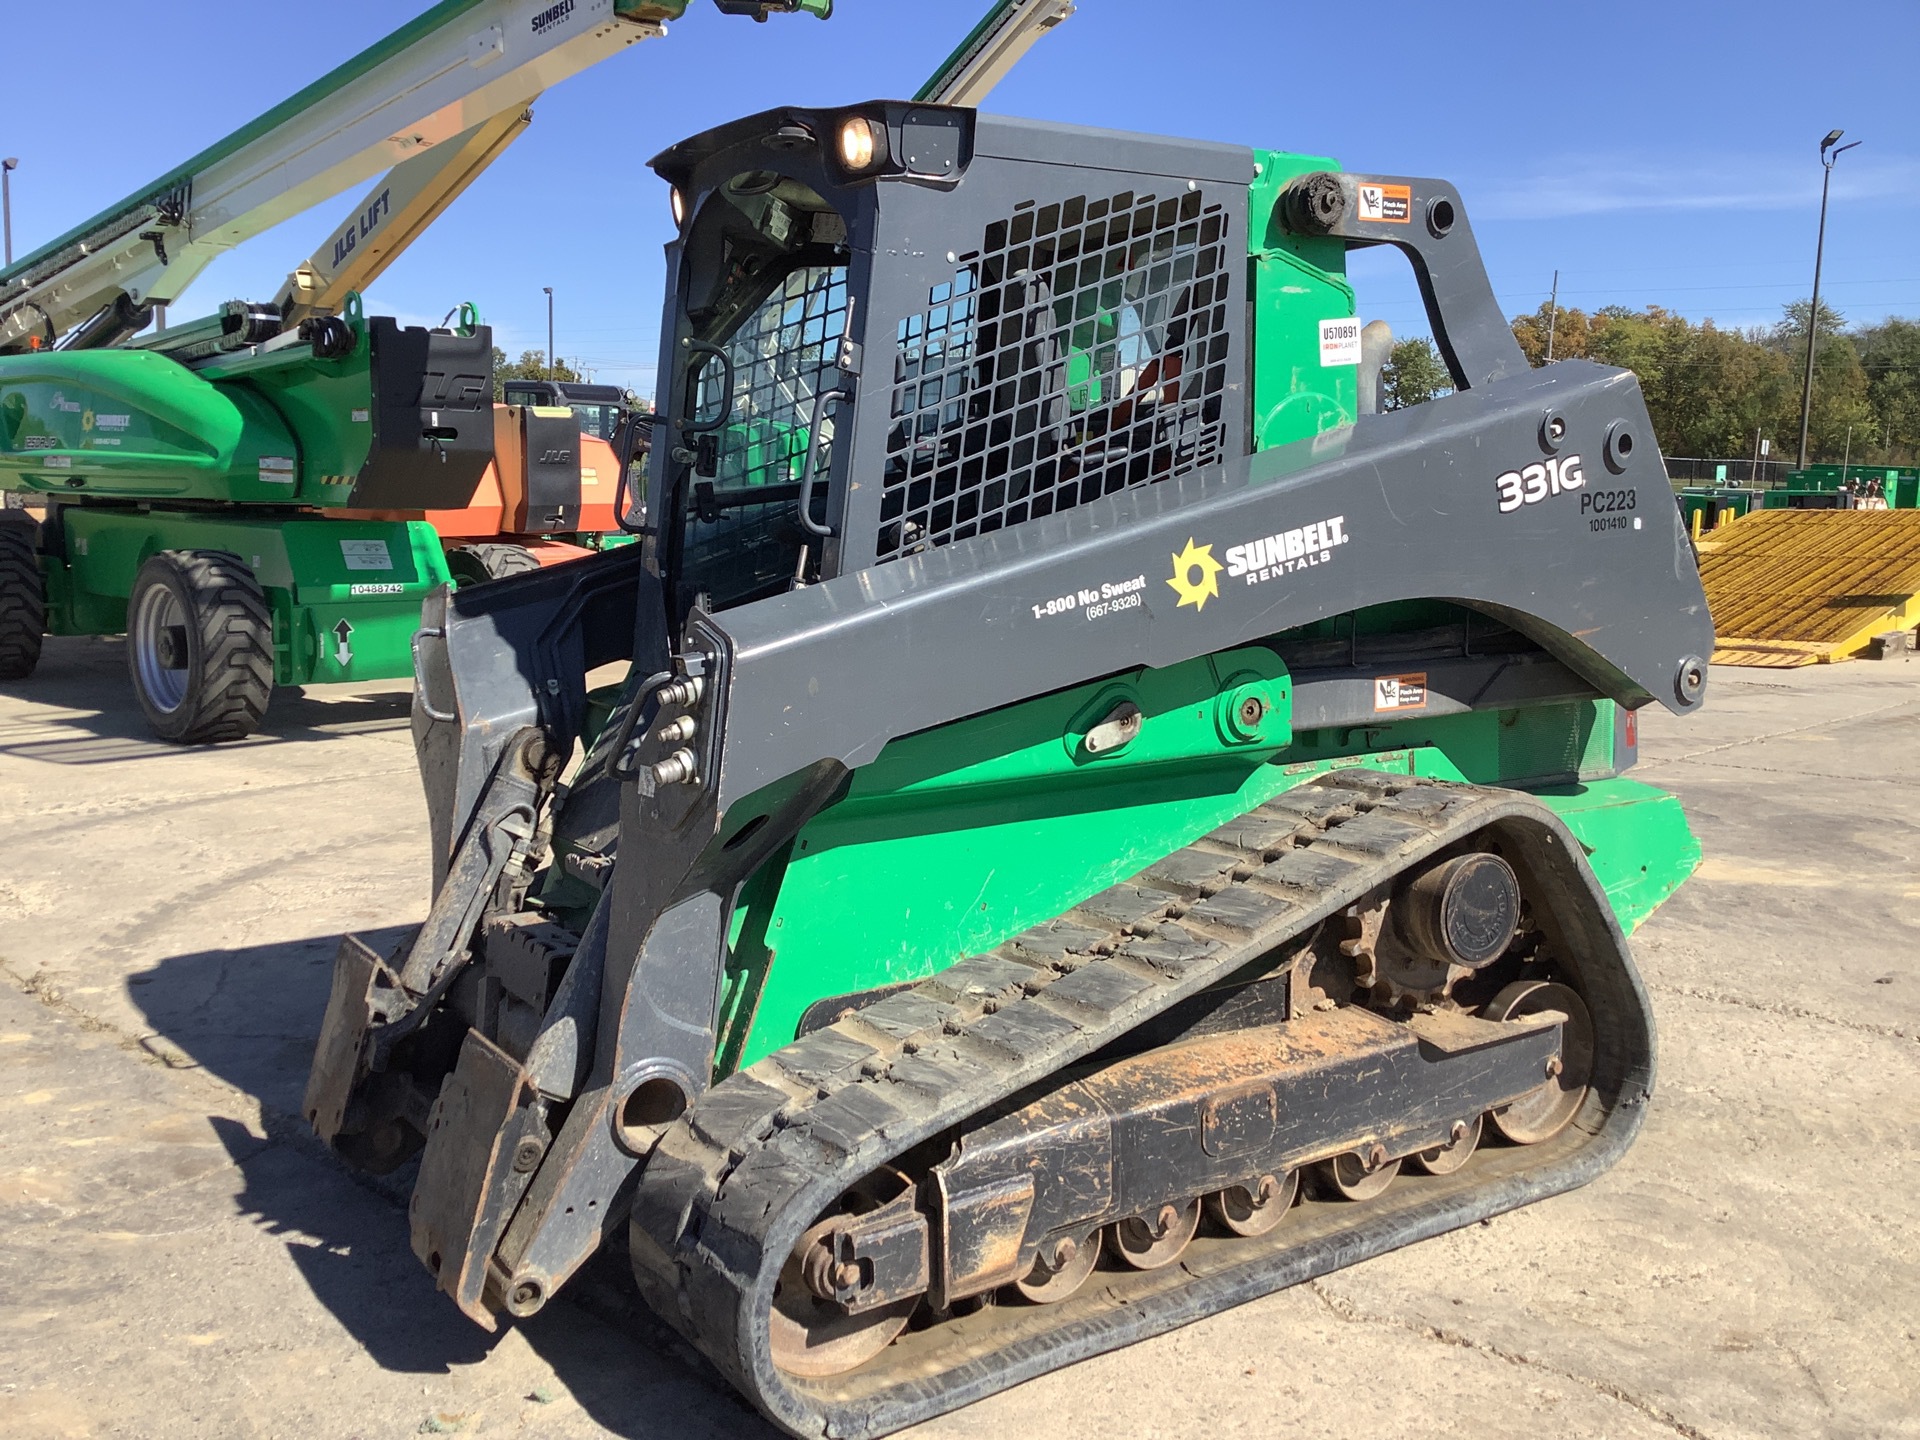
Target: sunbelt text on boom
552, 16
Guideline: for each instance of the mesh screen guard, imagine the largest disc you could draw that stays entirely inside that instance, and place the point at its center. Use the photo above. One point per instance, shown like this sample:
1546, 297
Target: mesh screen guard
1085, 345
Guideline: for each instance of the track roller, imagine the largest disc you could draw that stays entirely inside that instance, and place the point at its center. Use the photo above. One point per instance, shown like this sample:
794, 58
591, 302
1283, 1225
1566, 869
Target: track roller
1250, 1210
1543, 1113
1060, 1269
1146, 1242
1447, 1158
1357, 1175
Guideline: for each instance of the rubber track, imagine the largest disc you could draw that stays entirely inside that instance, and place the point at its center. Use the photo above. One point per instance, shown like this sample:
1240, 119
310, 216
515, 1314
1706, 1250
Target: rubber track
729, 1189
23, 604
236, 646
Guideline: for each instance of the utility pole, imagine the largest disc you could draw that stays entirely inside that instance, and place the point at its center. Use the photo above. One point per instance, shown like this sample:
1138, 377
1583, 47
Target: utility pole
1813, 310
1553, 314
550, 329
7, 166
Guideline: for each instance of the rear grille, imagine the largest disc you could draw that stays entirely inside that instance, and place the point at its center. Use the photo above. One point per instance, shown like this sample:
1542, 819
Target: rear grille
1083, 349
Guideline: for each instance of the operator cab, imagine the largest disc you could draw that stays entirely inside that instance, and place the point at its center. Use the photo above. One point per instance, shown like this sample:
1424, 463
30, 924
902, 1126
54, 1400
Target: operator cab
987, 320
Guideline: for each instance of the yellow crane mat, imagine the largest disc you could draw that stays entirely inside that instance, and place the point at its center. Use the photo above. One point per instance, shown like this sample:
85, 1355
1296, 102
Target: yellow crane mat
1805, 587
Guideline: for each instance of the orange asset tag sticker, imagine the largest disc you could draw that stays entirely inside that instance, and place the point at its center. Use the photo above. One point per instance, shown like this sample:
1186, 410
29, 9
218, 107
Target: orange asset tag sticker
1400, 692
1392, 203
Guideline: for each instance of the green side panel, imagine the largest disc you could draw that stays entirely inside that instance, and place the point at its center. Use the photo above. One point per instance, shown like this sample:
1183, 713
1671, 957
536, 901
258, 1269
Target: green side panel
133, 424
1296, 282
1636, 839
317, 573
957, 838
275, 428
327, 404
1525, 748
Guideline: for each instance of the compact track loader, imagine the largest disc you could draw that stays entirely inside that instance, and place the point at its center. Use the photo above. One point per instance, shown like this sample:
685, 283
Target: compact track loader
1085, 796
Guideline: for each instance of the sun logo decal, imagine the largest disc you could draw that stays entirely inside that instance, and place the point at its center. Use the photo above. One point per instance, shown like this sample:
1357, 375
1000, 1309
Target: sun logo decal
1196, 575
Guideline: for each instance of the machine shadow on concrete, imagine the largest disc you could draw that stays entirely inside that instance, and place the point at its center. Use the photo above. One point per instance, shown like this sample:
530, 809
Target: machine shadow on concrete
248, 1016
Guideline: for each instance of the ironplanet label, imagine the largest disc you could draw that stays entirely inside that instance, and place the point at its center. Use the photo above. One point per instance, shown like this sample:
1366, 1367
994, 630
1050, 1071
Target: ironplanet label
1300, 548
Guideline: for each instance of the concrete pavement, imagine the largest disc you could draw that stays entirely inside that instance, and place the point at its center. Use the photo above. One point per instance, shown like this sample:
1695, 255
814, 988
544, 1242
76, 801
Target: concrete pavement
180, 1260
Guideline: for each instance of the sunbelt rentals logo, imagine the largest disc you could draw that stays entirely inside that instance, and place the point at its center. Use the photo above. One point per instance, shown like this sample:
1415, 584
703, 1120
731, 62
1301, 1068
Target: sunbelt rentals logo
1196, 575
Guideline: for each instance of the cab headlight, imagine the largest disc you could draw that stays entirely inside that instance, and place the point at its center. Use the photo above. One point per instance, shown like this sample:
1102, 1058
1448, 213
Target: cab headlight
859, 144
678, 201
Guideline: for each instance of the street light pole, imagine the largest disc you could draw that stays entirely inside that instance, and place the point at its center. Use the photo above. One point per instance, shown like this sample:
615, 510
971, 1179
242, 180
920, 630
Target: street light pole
1553, 314
7, 166
549, 290
1813, 311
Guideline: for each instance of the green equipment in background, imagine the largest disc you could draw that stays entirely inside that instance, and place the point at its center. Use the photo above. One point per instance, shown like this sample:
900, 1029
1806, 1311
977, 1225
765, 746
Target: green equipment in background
1848, 487
198, 491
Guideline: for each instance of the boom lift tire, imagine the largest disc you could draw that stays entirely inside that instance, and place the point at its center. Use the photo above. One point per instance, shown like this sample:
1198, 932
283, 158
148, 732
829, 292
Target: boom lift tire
477, 564
23, 598
200, 646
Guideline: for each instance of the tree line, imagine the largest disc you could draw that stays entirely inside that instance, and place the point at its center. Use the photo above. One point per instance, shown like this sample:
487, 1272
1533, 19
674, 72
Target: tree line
1714, 392
532, 365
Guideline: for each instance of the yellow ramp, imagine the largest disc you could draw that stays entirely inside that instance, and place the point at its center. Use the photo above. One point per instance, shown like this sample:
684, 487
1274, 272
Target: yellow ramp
1805, 587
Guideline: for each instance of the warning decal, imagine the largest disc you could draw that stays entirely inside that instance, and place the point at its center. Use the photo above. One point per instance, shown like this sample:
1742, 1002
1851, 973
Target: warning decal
1392, 203
366, 555
1400, 692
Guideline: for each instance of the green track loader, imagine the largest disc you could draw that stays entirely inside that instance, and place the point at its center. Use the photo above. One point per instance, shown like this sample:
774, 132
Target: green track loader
1087, 794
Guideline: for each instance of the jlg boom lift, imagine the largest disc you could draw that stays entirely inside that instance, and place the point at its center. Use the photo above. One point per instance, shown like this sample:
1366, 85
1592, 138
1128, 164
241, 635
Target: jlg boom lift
264, 497
1111, 804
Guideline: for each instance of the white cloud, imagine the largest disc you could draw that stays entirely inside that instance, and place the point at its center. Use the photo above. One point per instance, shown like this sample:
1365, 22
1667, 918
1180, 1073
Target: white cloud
1592, 185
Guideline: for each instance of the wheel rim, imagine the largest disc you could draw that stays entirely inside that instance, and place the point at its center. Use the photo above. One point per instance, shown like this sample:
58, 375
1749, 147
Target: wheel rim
1447, 1158
1148, 1242
1255, 1209
1546, 1110
1048, 1284
158, 614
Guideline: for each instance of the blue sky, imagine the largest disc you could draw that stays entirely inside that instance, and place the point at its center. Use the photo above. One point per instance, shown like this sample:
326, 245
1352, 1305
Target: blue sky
1653, 152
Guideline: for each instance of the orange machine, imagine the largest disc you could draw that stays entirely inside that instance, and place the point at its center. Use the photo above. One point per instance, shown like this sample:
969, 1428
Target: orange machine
548, 477
552, 484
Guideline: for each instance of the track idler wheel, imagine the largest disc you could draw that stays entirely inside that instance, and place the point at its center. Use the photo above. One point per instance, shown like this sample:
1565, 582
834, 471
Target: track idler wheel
1357, 1175
1061, 1268
1253, 1210
1146, 1242
814, 1337
1543, 1113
